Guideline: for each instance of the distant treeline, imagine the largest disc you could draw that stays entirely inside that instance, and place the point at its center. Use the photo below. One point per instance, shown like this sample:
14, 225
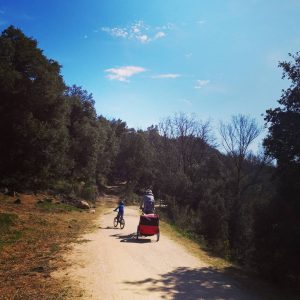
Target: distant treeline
242, 206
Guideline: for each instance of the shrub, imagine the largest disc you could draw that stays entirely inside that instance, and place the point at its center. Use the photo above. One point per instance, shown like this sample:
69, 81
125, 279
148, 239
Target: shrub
6, 221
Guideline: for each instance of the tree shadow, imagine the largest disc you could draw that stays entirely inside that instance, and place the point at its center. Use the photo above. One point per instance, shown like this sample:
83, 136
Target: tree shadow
186, 283
131, 238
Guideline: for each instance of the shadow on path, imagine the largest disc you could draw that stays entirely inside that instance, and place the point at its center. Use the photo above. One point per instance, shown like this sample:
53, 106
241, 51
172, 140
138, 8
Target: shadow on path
186, 283
130, 238
109, 227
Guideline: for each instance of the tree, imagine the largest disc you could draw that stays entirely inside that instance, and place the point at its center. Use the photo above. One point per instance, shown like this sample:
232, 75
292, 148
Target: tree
282, 225
84, 134
33, 113
133, 163
190, 138
237, 137
113, 131
283, 140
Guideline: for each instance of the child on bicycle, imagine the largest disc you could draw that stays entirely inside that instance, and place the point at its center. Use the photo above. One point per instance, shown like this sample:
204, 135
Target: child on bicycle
120, 209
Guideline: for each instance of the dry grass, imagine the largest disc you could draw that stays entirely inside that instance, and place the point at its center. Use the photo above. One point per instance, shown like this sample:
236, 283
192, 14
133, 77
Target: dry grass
33, 238
194, 248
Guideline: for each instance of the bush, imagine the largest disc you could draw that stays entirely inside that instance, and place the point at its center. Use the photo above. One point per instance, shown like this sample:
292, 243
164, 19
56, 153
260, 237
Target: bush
6, 221
89, 192
129, 195
63, 187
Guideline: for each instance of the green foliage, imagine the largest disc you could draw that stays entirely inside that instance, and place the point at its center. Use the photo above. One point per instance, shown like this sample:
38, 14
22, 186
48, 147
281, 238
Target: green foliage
89, 192
128, 194
283, 142
10, 238
83, 132
7, 234
33, 112
6, 221
134, 159
62, 187
111, 133
278, 223
55, 138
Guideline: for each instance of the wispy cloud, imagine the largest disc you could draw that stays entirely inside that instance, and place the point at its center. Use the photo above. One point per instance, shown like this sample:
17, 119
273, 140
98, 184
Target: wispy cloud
168, 26
123, 73
201, 83
201, 22
117, 32
138, 31
188, 55
144, 38
159, 35
187, 102
169, 75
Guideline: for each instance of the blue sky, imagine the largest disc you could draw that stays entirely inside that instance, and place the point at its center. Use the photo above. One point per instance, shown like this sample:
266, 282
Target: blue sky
146, 60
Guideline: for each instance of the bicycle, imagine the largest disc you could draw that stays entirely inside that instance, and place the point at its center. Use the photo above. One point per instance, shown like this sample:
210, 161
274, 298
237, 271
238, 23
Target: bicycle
118, 220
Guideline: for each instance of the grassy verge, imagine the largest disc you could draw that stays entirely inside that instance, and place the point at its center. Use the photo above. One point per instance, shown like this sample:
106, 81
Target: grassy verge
193, 247
33, 237
248, 279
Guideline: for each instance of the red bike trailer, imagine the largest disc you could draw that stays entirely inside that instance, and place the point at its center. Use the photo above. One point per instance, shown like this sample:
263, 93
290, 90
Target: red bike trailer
148, 226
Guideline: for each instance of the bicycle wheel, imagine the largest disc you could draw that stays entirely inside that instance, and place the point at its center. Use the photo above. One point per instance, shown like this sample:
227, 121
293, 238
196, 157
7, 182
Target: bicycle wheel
157, 236
122, 223
116, 222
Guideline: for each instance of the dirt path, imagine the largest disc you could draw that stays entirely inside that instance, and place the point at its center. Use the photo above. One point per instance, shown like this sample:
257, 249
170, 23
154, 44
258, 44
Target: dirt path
112, 264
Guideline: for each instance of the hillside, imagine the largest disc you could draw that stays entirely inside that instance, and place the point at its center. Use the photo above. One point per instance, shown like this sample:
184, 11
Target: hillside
34, 233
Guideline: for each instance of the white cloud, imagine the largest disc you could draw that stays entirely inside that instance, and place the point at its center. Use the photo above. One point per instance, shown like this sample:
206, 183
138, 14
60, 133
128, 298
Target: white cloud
143, 38
138, 31
123, 73
188, 55
201, 22
159, 35
170, 75
201, 83
168, 26
117, 32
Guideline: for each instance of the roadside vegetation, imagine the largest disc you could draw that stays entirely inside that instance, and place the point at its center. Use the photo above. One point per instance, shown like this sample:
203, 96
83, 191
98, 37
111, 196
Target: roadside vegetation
33, 238
242, 206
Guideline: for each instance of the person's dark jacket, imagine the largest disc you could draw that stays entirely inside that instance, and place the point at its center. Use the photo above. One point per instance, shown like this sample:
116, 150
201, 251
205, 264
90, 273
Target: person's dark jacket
148, 203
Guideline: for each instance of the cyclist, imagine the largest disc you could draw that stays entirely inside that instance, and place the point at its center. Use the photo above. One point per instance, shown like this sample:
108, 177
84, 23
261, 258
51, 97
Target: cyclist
147, 204
120, 209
